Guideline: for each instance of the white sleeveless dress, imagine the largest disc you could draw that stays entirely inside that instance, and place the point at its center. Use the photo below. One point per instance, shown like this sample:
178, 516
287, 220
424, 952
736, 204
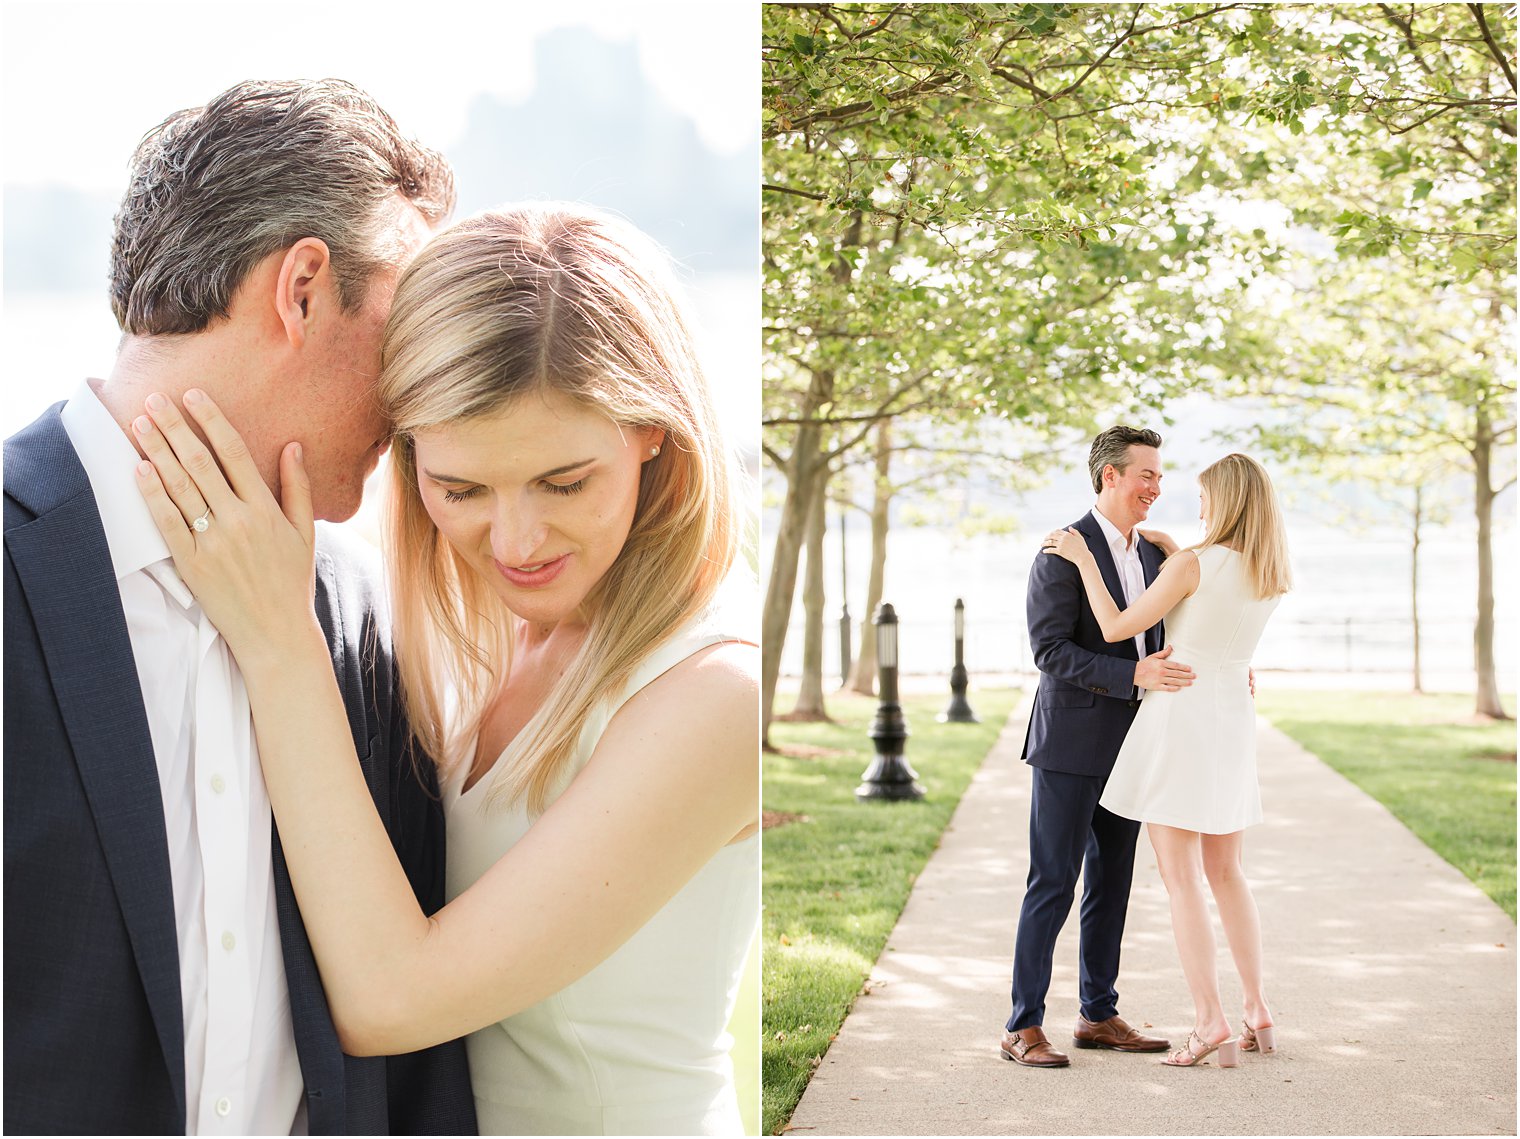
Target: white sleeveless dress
637, 1046
1189, 759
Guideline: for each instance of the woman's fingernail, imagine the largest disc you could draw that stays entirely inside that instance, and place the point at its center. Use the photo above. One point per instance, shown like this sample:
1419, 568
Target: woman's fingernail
298, 452
157, 402
143, 424
194, 395
144, 468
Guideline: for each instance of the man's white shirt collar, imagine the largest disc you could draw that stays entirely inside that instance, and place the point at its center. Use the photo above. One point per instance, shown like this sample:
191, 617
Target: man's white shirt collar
109, 462
1111, 532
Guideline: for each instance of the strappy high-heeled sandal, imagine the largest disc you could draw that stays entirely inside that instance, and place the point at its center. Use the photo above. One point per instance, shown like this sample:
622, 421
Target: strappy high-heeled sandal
1263, 1039
1185, 1057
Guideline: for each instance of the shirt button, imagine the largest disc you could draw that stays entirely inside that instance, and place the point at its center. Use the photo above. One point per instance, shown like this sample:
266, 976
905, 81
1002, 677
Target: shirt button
228, 943
224, 1106
218, 784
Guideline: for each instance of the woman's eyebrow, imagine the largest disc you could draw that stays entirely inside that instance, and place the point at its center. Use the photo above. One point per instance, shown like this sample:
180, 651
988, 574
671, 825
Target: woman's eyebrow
566, 469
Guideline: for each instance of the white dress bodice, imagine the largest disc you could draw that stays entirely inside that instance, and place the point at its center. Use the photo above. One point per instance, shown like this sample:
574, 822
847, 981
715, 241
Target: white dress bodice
637, 1046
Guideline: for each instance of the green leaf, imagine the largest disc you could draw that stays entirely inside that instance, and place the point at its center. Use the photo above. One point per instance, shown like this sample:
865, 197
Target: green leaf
1422, 190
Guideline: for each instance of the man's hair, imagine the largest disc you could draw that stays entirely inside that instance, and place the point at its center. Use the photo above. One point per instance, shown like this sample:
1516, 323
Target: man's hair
216, 189
1111, 449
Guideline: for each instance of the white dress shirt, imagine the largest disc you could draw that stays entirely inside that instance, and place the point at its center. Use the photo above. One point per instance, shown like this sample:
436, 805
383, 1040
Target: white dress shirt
242, 1076
1126, 557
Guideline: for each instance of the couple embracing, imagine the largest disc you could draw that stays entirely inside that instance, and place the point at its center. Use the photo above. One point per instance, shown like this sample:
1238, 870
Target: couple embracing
1135, 724
230, 769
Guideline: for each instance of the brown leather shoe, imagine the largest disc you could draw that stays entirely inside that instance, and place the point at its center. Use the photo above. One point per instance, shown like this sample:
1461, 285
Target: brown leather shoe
1029, 1047
1114, 1033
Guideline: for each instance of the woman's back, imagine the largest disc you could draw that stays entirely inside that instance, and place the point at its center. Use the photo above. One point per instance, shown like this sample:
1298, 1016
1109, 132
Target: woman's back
1222, 622
1189, 759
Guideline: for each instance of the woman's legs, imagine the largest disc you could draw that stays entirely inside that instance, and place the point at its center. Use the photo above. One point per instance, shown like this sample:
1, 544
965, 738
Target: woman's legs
1242, 924
1179, 857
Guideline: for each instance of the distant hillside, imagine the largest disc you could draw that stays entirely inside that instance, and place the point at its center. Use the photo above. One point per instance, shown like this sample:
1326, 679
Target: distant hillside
593, 131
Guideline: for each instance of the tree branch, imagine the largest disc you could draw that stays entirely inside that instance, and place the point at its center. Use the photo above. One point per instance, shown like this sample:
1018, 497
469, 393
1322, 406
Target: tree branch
810, 195
1493, 48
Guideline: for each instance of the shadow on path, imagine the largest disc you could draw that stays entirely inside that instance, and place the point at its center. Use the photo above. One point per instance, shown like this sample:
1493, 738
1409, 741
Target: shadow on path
1391, 976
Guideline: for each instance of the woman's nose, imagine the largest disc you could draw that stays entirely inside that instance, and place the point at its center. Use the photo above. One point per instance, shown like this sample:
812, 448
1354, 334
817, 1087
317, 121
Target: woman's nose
517, 534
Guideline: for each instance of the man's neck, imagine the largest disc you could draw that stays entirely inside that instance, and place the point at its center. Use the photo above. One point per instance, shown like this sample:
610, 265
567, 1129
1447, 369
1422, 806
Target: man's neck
1107, 511
145, 365
174, 365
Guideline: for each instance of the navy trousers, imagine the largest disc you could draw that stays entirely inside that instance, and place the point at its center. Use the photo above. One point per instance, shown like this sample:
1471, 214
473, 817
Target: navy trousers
1070, 833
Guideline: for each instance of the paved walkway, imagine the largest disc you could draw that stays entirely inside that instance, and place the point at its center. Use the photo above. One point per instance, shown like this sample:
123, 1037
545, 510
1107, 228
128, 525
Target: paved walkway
1392, 980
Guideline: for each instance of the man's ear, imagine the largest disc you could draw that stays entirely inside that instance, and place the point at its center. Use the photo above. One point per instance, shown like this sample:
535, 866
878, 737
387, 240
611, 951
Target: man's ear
304, 281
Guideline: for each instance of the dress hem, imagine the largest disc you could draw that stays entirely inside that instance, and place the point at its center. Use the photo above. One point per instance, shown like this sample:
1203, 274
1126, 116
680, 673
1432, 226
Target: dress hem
1174, 821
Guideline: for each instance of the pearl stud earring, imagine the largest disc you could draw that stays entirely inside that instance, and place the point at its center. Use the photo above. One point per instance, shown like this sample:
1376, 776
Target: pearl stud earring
653, 451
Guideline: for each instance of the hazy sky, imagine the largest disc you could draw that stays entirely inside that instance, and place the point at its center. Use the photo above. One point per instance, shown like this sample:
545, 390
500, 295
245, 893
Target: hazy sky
84, 81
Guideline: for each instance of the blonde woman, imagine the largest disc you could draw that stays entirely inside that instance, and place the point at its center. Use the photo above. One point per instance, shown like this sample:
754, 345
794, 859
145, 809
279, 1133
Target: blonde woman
1187, 768
562, 520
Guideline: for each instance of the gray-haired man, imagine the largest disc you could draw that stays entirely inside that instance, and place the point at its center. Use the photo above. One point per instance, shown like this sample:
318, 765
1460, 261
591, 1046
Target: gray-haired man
157, 975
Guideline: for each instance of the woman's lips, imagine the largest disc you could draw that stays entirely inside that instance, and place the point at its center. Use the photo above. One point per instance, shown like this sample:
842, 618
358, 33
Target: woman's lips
534, 576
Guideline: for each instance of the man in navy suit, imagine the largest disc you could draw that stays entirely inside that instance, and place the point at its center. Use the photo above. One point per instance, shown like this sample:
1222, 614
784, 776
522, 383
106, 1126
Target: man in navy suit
158, 978
1088, 693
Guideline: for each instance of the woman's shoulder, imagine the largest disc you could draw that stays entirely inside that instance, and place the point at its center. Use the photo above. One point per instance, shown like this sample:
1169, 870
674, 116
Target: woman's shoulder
714, 650
701, 699
719, 677
1214, 554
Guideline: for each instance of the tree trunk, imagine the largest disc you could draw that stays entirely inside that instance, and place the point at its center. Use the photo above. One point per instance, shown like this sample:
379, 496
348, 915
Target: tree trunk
1488, 703
1414, 584
863, 680
803, 470
810, 706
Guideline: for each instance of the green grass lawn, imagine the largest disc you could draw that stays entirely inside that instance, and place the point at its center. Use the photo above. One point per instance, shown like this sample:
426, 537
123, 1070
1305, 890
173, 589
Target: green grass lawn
837, 878
1447, 776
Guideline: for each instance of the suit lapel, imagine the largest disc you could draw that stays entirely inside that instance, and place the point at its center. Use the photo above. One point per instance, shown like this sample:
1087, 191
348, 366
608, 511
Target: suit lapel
322, 1063
1092, 533
64, 567
1151, 558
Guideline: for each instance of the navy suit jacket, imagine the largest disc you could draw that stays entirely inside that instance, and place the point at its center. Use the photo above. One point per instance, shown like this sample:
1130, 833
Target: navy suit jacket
94, 1031
1086, 697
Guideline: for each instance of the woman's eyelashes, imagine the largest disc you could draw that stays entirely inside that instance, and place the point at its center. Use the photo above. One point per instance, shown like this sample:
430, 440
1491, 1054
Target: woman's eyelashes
553, 488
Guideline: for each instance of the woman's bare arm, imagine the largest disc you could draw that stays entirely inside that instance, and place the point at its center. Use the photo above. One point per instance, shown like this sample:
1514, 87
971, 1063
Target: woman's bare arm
673, 779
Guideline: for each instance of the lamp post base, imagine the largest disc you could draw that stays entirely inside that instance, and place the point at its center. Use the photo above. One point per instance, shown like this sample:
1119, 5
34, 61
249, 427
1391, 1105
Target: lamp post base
890, 778
959, 712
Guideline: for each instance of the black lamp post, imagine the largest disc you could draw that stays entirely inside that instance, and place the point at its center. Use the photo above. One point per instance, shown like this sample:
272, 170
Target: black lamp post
889, 776
959, 711
844, 608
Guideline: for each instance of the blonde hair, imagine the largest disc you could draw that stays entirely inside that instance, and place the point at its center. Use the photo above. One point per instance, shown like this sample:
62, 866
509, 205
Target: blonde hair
534, 298
1244, 515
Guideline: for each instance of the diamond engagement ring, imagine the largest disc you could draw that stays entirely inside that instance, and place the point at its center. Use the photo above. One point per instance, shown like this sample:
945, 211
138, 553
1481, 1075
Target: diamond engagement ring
203, 523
